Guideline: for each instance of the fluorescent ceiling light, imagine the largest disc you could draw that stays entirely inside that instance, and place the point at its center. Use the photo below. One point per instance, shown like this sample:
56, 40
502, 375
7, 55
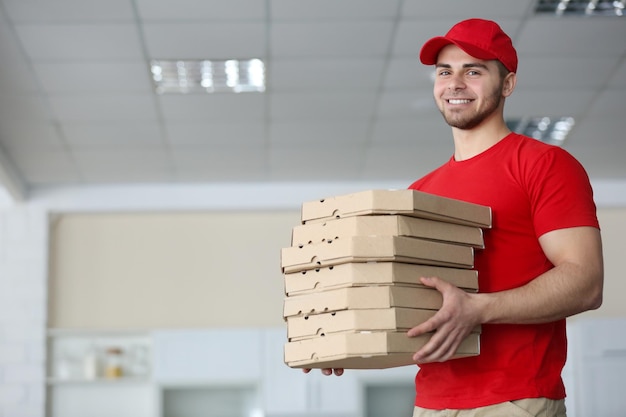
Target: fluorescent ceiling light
208, 76
553, 130
581, 7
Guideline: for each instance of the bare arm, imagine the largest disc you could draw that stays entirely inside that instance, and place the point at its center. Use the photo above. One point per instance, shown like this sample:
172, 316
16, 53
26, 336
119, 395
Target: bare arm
574, 285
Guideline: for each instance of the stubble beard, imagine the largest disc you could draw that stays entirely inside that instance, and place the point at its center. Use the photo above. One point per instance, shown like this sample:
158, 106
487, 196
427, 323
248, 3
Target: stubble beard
466, 120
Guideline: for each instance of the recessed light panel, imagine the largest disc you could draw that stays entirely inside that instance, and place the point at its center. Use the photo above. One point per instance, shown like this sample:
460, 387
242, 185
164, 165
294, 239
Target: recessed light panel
553, 130
581, 7
208, 76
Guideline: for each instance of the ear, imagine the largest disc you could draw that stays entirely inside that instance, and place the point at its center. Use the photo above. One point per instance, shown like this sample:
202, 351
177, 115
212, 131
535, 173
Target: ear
508, 84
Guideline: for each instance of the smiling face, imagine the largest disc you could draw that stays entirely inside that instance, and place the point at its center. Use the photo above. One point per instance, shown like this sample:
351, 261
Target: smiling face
468, 91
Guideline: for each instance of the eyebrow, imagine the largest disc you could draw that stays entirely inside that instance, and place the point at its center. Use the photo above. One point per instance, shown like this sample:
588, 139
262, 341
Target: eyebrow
468, 65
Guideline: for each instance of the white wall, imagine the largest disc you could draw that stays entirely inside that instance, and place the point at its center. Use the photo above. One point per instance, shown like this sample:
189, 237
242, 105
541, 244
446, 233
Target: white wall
23, 259
23, 269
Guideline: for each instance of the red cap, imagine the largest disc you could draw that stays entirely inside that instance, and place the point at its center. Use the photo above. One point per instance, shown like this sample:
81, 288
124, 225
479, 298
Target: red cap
482, 39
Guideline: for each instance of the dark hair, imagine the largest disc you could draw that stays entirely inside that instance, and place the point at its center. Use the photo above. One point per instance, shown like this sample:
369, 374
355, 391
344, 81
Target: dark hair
502, 69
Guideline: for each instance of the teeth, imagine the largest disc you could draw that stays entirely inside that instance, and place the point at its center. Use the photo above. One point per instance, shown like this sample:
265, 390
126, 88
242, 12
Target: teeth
453, 101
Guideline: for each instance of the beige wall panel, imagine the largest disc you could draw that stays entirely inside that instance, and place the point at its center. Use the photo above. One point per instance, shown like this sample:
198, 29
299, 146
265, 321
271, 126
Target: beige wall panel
167, 269
613, 226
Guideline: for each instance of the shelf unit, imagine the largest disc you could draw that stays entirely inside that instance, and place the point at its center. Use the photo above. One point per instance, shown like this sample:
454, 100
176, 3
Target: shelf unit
73, 388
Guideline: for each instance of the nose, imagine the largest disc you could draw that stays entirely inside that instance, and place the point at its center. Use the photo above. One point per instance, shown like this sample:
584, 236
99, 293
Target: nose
456, 82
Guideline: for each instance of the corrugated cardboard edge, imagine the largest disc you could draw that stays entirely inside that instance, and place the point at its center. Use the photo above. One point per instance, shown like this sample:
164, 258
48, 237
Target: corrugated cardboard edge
387, 225
376, 350
376, 248
408, 202
357, 274
384, 296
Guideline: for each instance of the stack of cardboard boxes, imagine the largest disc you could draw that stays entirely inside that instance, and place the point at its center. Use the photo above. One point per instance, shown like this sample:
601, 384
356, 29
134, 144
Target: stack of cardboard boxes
352, 275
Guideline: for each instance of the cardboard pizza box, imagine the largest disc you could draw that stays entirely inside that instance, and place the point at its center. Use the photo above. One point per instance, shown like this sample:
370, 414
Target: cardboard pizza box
365, 350
377, 319
362, 320
407, 202
376, 248
384, 296
358, 274
387, 225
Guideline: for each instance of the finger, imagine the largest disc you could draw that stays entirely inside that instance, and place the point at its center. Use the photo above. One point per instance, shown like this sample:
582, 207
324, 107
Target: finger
437, 283
306, 370
429, 325
428, 281
438, 349
327, 371
338, 371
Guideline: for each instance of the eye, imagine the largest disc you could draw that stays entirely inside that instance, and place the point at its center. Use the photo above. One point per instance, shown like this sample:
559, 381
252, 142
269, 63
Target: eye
443, 73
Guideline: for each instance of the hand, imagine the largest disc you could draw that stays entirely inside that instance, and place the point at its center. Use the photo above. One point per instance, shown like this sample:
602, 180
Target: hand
326, 371
455, 320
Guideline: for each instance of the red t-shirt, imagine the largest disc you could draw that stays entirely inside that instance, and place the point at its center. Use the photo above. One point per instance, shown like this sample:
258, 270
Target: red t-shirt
532, 188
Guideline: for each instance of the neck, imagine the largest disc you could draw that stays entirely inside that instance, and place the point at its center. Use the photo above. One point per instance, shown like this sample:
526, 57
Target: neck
471, 142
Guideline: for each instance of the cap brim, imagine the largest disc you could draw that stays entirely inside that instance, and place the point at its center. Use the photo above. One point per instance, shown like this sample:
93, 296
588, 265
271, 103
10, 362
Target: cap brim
430, 50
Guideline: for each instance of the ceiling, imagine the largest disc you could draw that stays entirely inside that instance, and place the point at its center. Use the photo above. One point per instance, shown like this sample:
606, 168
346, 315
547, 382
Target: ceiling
347, 99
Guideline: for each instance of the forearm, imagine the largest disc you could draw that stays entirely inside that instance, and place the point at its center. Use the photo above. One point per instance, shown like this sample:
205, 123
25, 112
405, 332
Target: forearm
565, 290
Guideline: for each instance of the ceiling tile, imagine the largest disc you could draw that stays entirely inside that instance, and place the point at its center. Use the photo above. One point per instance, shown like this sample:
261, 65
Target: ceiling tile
347, 98
330, 39
25, 135
602, 162
214, 163
548, 102
125, 165
80, 42
557, 72
412, 132
333, 9
30, 107
406, 163
403, 72
106, 134
585, 134
94, 77
336, 163
325, 75
454, 9
17, 77
235, 134
249, 107
217, 40
290, 135
618, 79
64, 11
573, 37
46, 166
322, 107
402, 104
120, 107
201, 9
609, 105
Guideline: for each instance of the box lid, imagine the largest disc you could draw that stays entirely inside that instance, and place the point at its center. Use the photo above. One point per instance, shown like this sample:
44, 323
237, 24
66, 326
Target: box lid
387, 225
374, 350
384, 296
357, 274
408, 202
376, 248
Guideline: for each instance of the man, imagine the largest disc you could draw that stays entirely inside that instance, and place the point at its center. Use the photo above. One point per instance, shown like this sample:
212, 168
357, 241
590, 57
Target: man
542, 260
543, 257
